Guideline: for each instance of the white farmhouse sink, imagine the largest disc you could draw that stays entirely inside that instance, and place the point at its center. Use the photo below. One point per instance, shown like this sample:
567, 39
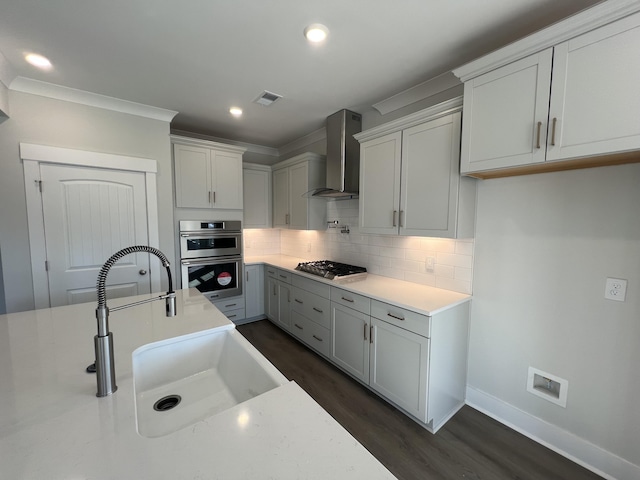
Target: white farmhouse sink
210, 371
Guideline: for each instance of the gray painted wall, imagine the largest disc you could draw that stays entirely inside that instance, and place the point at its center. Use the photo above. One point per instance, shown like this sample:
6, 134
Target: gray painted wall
544, 247
45, 121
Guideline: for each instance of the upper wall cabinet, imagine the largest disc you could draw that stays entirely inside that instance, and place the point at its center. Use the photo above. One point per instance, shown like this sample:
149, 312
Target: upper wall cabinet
570, 105
207, 174
292, 179
257, 195
409, 177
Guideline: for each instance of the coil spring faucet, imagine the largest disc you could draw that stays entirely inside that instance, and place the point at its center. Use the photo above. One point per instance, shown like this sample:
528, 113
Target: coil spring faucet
103, 341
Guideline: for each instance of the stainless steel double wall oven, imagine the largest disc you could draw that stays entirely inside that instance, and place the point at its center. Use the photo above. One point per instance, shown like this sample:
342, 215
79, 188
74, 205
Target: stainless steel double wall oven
211, 257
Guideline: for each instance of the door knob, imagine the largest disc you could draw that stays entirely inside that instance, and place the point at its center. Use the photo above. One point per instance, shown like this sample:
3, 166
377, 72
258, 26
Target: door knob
142, 272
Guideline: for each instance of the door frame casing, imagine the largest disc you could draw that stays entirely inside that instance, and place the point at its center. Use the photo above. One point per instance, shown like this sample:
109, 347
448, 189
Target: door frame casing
32, 156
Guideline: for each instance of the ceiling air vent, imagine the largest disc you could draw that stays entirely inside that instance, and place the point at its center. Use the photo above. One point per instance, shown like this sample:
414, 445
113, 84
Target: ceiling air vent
267, 98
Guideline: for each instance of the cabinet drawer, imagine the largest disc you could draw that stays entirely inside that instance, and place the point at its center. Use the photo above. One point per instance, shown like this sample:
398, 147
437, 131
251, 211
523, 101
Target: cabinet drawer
312, 306
403, 318
235, 315
278, 274
351, 300
229, 304
311, 333
312, 286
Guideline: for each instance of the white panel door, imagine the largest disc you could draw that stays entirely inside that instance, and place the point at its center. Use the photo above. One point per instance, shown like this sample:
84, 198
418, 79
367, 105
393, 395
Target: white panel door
399, 367
298, 186
350, 341
281, 198
429, 187
595, 94
90, 214
380, 184
505, 115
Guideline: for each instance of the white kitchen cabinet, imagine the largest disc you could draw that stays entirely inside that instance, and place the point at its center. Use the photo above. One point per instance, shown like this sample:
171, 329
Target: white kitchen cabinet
292, 179
311, 313
254, 291
569, 105
399, 362
256, 186
350, 341
278, 297
207, 174
233, 308
409, 177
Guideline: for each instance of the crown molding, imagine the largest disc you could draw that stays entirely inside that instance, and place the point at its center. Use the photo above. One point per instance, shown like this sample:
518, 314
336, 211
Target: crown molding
300, 143
7, 73
582, 22
431, 113
307, 156
418, 92
248, 147
256, 166
58, 92
177, 139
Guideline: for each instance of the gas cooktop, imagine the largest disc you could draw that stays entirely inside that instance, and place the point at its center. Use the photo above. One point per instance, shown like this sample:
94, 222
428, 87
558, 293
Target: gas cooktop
332, 270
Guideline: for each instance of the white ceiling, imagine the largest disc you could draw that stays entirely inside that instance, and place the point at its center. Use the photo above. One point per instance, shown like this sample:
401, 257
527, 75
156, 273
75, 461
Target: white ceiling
199, 57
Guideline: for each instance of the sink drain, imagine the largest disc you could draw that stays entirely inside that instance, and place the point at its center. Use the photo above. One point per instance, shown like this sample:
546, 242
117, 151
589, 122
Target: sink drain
167, 403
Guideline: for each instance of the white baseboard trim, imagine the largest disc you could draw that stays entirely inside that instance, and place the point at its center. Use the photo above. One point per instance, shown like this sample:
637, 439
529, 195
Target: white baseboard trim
563, 442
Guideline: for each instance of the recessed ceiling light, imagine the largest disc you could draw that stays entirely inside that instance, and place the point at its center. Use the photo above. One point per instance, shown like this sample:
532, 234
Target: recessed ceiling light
38, 61
316, 32
235, 111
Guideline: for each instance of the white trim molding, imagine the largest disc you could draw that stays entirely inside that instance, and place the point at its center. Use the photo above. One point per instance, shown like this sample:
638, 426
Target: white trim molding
58, 92
32, 156
582, 22
300, 143
417, 118
69, 156
563, 442
176, 139
418, 92
249, 147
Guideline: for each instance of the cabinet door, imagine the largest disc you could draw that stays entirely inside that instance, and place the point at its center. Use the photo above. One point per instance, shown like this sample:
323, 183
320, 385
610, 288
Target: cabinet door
505, 115
256, 187
350, 341
284, 304
430, 178
226, 190
271, 299
595, 97
399, 367
281, 198
380, 184
254, 291
192, 176
298, 186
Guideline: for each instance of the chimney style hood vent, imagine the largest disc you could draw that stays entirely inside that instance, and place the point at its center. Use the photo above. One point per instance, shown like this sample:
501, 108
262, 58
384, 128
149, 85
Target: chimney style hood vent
343, 156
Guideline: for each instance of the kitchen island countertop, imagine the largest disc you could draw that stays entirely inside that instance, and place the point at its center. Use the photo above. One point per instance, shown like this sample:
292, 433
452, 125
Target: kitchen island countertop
418, 298
53, 426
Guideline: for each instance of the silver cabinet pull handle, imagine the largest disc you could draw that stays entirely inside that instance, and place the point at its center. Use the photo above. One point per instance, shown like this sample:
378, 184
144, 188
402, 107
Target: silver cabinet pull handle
214, 197
247, 275
317, 338
371, 334
394, 316
365, 331
209, 196
538, 135
402, 218
282, 276
298, 326
317, 310
298, 301
231, 316
347, 299
395, 212
553, 131
230, 305
286, 219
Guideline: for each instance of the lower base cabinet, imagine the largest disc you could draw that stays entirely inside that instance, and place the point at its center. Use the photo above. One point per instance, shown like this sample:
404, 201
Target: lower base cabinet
416, 362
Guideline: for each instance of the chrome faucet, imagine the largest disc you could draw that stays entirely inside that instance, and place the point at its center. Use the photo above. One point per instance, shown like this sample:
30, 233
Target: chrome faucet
103, 341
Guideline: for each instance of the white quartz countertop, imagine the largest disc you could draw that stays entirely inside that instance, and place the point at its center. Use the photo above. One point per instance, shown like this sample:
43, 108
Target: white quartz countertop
412, 296
53, 426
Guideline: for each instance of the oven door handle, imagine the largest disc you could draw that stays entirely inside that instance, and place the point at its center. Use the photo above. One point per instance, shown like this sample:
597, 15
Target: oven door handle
212, 260
211, 234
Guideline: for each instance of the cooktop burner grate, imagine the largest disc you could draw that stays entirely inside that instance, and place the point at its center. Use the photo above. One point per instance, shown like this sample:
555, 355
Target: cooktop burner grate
332, 270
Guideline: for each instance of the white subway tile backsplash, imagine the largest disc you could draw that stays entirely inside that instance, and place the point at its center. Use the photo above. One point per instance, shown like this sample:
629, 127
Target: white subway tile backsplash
403, 258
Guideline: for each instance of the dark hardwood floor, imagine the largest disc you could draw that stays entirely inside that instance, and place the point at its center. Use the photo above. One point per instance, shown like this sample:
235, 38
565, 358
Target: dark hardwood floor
471, 445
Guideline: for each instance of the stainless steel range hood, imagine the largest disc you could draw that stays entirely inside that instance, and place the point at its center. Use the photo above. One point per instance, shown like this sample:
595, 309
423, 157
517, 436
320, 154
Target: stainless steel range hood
343, 156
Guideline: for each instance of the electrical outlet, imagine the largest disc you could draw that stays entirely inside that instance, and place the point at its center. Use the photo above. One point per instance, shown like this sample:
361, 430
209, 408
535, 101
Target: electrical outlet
615, 289
430, 264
